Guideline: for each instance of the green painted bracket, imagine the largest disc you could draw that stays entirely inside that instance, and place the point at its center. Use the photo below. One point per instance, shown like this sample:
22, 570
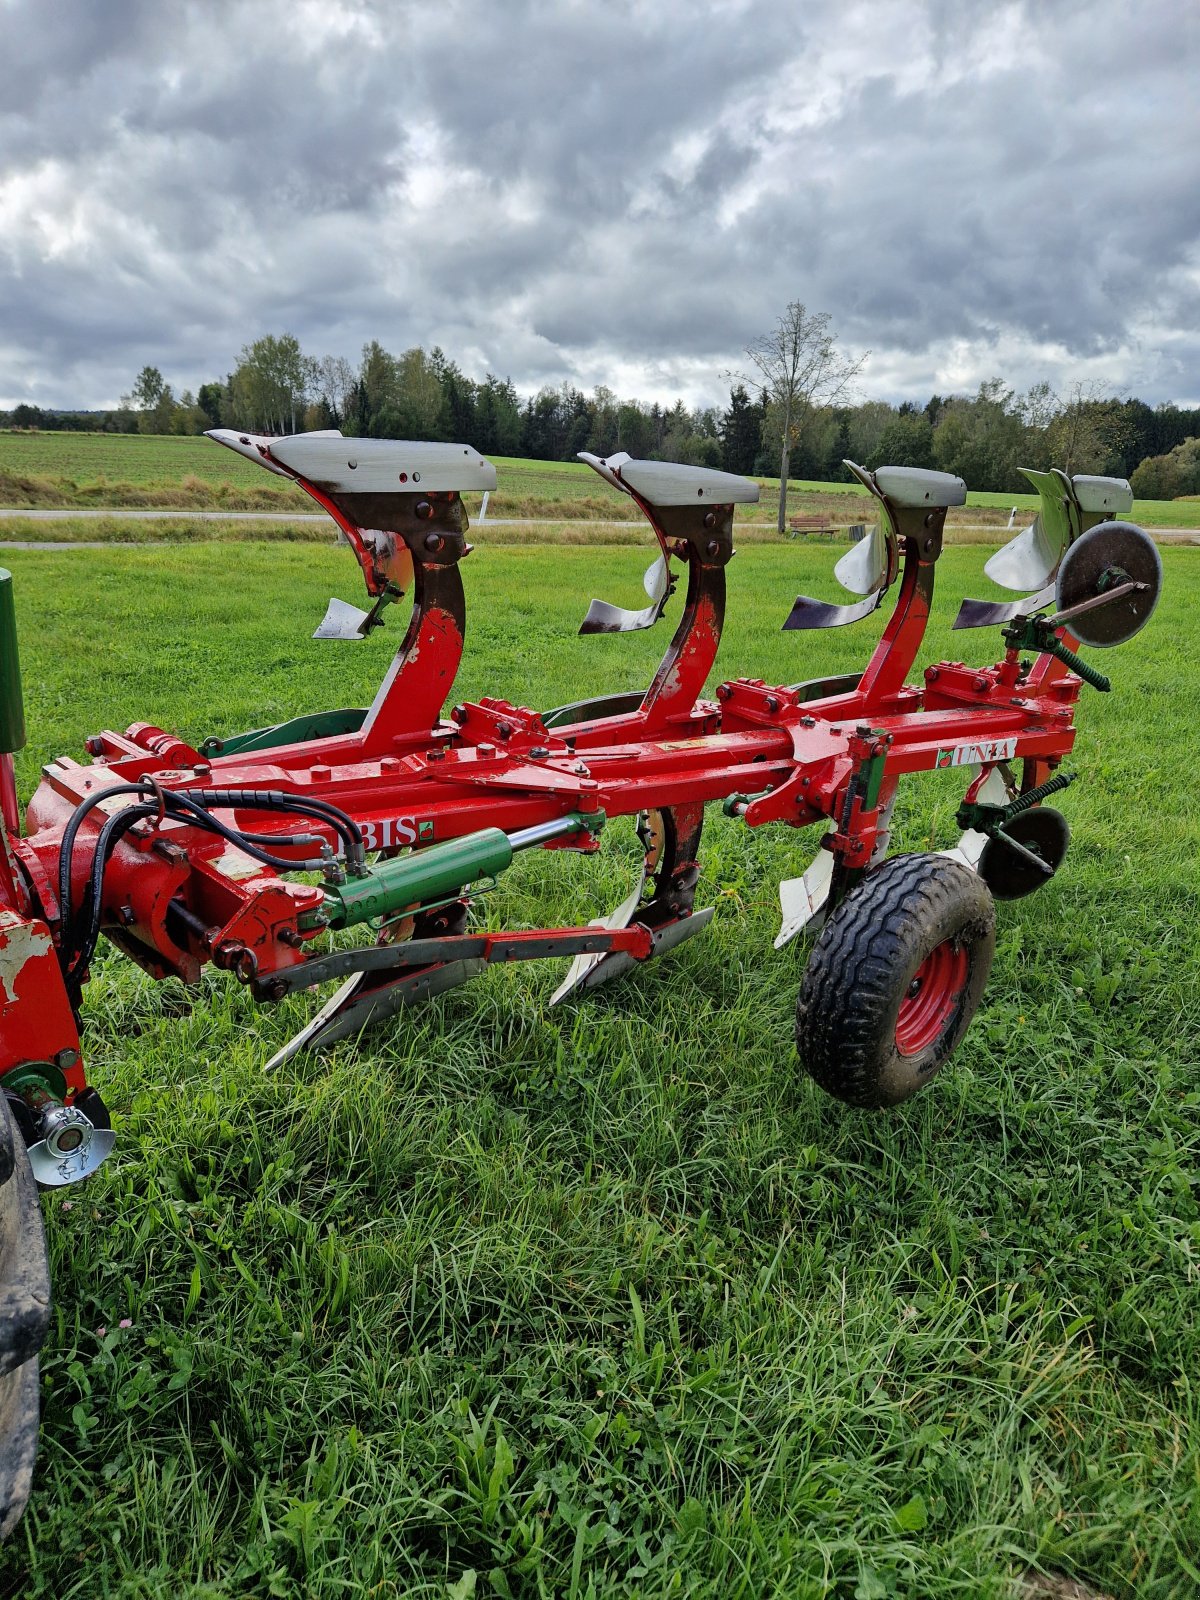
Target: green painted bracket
299, 730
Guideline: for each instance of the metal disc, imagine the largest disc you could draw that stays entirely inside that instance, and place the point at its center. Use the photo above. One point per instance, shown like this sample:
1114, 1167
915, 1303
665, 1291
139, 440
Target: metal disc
1010, 875
1108, 554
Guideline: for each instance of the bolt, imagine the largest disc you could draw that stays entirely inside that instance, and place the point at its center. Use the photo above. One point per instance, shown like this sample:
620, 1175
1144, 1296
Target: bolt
321, 773
433, 542
710, 519
201, 769
772, 702
504, 730
94, 744
932, 674
291, 938
486, 750
125, 915
422, 508
808, 722
275, 990
724, 692
982, 684
66, 1059
580, 770
538, 753
459, 715
711, 548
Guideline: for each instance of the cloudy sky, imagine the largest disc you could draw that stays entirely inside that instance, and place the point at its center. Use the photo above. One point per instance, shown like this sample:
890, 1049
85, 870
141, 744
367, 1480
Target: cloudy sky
622, 193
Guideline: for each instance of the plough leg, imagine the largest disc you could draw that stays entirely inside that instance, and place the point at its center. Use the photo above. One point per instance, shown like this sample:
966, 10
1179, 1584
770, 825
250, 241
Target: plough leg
672, 840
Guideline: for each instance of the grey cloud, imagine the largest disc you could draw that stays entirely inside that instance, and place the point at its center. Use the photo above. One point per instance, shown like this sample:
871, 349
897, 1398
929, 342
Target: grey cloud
550, 187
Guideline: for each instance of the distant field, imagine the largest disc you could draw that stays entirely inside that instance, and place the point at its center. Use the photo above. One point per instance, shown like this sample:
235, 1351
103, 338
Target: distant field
140, 470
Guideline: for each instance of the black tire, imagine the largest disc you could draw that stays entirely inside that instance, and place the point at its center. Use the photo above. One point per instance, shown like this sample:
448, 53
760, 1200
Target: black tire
24, 1318
894, 979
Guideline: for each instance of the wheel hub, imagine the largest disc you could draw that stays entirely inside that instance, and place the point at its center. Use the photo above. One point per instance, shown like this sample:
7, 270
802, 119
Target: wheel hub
931, 998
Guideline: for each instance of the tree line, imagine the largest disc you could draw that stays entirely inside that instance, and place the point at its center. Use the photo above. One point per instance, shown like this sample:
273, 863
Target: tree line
788, 415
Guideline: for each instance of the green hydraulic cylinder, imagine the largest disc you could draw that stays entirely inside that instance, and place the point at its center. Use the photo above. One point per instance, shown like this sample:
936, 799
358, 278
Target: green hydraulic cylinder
439, 872
12, 708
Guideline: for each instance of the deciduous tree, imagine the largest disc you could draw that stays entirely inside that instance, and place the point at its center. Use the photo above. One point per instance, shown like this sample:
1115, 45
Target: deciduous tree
799, 372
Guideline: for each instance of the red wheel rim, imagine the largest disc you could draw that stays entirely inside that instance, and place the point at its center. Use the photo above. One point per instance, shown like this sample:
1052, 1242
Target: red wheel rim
933, 995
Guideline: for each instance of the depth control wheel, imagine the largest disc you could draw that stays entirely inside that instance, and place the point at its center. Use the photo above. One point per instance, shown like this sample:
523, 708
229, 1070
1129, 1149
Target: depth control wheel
894, 979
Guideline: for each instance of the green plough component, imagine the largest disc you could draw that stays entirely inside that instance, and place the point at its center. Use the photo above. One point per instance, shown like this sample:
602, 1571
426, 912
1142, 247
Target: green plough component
299, 730
1037, 633
439, 872
991, 819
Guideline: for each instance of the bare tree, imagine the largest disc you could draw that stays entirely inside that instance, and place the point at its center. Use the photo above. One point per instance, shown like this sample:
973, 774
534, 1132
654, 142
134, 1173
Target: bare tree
333, 383
799, 371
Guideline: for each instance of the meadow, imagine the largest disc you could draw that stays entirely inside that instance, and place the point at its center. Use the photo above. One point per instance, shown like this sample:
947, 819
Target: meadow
97, 470
610, 1300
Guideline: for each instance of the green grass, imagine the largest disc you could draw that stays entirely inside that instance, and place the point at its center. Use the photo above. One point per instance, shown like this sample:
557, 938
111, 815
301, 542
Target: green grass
610, 1300
132, 470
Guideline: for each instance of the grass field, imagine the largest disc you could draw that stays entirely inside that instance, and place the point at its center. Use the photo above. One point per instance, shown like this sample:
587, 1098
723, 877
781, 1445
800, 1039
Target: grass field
610, 1300
135, 470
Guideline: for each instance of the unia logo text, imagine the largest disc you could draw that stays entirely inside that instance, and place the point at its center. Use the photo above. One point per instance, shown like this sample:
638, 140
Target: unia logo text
977, 755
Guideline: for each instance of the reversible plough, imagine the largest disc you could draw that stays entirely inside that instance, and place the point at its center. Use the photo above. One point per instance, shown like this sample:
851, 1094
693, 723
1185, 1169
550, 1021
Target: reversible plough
182, 854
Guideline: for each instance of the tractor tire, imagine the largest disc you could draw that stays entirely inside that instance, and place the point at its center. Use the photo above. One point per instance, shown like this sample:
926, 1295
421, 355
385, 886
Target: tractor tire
894, 979
24, 1317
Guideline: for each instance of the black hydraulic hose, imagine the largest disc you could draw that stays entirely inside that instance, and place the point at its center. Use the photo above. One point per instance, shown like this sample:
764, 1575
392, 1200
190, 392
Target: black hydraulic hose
280, 800
194, 802
110, 833
67, 848
201, 817
116, 825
